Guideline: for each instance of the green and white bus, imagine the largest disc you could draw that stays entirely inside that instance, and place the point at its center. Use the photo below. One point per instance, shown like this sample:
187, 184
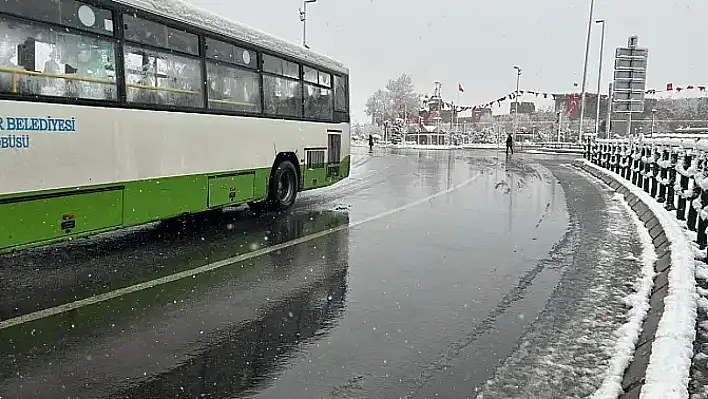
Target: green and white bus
121, 113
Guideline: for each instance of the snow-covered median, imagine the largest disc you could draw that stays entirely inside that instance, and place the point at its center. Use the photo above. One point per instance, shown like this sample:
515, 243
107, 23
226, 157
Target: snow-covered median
628, 334
667, 374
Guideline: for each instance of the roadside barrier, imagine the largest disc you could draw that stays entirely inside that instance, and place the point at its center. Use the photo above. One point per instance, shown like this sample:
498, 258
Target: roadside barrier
673, 170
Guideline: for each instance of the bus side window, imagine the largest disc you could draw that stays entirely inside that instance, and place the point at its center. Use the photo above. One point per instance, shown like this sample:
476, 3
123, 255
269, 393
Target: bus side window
340, 94
38, 60
318, 102
155, 34
233, 89
280, 66
71, 13
282, 96
161, 77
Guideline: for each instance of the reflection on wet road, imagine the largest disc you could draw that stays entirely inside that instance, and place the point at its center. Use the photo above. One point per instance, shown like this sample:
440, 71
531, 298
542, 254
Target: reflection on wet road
371, 288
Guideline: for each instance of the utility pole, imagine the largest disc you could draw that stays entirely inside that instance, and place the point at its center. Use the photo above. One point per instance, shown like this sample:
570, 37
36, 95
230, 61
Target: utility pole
609, 113
653, 116
516, 103
585, 69
599, 78
303, 18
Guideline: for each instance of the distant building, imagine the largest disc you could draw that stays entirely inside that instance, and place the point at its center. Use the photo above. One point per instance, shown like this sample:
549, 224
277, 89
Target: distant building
473, 115
525, 107
569, 104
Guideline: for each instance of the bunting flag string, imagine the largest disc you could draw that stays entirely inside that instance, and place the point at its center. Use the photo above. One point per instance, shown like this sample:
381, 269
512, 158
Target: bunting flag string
513, 96
671, 88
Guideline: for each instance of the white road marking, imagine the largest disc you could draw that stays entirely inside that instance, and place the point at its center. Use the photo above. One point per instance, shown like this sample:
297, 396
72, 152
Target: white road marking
53, 311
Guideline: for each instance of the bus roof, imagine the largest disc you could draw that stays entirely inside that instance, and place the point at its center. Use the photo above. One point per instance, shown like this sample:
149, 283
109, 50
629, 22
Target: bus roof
187, 13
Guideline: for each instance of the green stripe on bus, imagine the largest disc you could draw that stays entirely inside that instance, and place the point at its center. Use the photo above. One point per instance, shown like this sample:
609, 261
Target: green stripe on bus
44, 217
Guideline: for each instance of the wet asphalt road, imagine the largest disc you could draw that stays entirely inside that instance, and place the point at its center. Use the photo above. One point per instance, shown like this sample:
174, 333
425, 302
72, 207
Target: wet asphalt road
420, 262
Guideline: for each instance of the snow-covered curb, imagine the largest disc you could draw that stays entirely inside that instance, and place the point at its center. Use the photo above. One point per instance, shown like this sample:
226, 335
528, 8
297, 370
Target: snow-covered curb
628, 333
667, 374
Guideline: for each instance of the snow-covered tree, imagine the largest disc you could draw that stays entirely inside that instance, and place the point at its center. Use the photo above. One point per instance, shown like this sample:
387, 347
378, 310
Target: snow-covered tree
378, 106
397, 100
403, 95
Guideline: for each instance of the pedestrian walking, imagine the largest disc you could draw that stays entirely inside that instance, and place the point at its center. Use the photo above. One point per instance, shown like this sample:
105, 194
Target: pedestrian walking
371, 143
509, 144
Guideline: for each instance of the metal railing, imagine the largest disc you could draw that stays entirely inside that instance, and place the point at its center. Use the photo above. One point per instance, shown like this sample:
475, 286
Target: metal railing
561, 145
673, 170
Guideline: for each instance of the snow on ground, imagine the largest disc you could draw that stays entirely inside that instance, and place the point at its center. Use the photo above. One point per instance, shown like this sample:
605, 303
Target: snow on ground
628, 334
426, 147
589, 327
555, 151
698, 388
667, 374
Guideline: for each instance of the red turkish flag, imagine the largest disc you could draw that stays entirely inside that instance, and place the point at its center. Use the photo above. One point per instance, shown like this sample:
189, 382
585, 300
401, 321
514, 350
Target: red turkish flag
573, 105
669, 86
460, 87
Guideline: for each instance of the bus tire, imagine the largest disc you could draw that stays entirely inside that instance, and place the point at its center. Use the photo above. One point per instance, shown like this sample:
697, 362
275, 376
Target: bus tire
283, 187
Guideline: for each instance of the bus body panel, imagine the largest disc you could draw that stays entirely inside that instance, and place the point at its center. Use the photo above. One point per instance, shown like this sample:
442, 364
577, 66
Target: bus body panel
155, 165
73, 165
119, 145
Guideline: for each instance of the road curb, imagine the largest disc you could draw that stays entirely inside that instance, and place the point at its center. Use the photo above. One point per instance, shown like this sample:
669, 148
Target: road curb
635, 374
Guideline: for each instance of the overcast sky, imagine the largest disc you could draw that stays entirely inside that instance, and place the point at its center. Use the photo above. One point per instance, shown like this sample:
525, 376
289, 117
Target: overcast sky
477, 42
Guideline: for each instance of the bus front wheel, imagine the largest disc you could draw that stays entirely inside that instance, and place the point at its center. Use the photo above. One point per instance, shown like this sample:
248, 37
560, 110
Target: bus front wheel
283, 187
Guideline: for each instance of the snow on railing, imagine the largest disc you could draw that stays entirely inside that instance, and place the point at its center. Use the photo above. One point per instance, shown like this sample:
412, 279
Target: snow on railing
670, 175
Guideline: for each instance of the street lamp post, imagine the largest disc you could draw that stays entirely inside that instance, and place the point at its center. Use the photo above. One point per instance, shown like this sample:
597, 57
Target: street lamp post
599, 77
303, 18
653, 115
585, 69
516, 102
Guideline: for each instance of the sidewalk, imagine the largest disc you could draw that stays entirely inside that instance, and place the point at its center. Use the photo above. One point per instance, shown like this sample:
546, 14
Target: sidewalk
663, 355
586, 333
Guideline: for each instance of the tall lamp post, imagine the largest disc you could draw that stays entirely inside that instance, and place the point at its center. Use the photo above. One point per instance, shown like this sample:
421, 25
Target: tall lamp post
585, 69
303, 18
653, 116
599, 77
516, 102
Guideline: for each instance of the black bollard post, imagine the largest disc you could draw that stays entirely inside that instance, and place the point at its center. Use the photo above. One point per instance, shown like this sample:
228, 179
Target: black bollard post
671, 185
702, 184
683, 183
693, 204
627, 162
647, 170
642, 167
654, 172
639, 168
591, 149
618, 154
664, 172
636, 163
